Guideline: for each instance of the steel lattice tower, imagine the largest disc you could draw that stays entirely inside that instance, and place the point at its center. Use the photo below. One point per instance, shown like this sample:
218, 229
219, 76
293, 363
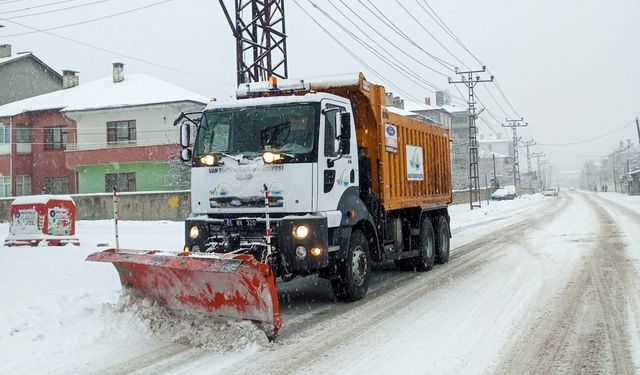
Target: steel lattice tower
514, 125
474, 179
261, 40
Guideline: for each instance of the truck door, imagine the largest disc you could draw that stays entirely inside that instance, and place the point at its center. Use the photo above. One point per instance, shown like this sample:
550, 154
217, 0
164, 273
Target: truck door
336, 172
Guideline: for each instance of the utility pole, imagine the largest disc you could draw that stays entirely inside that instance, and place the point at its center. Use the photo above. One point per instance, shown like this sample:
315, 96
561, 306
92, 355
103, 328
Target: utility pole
538, 155
470, 81
544, 172
638, 127
495, 178
527, 144
514, 125
261, 41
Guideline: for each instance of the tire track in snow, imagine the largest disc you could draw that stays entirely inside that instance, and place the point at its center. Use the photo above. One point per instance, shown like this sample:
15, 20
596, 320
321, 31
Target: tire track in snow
586, 331
295, 353
464, 260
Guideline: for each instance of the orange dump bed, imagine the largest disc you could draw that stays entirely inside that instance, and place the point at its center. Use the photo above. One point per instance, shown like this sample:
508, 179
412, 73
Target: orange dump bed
410, 158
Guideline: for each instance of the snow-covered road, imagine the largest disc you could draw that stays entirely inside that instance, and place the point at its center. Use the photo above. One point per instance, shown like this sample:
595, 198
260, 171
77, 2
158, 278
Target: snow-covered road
535, 285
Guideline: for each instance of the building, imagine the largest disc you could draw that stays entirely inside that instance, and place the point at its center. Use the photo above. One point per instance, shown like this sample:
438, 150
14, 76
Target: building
502, 151
88, 138
23, 75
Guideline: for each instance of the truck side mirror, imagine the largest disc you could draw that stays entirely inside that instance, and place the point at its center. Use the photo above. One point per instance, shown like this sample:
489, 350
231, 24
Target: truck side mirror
185, 155
345, 133
185, 135
185, 140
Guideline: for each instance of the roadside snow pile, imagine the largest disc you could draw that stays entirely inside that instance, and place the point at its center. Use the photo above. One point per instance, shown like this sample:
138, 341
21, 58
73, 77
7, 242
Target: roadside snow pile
463, 217
61, 314
205, 332
629, 201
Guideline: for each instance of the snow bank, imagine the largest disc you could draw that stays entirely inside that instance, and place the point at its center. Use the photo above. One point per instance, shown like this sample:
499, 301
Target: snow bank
61, 314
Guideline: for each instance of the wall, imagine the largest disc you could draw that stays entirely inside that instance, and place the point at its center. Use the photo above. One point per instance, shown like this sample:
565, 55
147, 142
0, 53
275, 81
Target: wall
149, 176
26, 78
39, 163
154, 124
131, 206
462, 196
155, 206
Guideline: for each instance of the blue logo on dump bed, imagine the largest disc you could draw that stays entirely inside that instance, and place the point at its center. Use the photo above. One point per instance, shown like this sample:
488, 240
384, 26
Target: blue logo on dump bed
391, 130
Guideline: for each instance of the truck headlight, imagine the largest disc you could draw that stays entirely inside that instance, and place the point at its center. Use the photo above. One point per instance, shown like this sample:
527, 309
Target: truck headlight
208, 160
271, 157
194, 232
301, 232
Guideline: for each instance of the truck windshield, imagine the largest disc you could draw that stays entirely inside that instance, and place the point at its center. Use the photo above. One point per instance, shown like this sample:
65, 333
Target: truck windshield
249, 131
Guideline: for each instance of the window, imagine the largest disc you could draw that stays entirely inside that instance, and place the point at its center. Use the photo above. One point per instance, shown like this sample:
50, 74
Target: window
55, 138
23, 134
5, 186
330, 132
5, 133
23, 185
23, 139
121, 131
121, 181
56, 185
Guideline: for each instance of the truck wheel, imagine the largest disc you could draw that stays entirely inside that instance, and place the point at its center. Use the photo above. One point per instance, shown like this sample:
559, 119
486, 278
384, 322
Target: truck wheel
424, 261
442, 240
354, 271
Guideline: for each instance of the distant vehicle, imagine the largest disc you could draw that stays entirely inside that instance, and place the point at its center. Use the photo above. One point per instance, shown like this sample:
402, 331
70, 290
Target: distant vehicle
504, 193
550, 192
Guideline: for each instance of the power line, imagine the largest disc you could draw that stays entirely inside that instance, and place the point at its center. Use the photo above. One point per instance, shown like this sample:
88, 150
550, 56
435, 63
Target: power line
504, 96
36, 6
55, 10
399, 67
588, 140
391, 25
416, 75
10, 1
86, 21
88, 45
352, 54
448, 30
430, 34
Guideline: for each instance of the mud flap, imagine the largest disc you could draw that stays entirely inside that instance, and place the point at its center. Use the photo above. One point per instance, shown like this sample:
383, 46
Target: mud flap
235, 286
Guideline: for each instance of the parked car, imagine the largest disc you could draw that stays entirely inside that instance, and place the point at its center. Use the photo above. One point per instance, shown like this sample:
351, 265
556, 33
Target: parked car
507, 192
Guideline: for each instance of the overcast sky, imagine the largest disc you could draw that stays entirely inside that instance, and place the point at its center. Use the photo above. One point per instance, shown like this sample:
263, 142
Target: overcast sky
570, 67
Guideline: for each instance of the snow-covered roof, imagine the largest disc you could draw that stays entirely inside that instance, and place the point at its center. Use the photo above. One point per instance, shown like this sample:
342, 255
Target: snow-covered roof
4, 60
482, 153
40, 199
414, 106
26, 55
272, 100
401, 112
313, 83
452, 109
417, 116
494, 140
135, 90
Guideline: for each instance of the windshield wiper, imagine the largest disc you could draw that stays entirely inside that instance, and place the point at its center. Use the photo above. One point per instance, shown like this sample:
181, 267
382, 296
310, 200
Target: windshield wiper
274, 135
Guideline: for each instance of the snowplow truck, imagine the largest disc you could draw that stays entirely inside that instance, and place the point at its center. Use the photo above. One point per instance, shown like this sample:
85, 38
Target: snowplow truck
296, 178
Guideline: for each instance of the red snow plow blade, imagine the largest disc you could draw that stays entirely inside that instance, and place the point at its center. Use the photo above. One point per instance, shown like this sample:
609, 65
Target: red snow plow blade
236, 286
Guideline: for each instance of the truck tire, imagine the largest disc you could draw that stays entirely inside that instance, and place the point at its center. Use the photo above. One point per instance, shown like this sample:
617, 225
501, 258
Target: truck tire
443, 236
354, 271
424, 261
